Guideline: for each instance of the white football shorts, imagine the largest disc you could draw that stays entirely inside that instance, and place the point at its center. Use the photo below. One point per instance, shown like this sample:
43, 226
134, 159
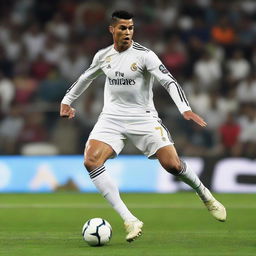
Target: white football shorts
147, 133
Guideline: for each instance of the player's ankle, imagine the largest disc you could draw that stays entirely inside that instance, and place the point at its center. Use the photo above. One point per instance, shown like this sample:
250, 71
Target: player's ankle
204, 193
130, 219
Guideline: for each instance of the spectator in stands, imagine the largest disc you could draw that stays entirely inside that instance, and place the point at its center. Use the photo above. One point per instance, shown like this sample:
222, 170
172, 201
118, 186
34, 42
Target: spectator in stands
59, 27
53, 50
174, 57
194, 51
248, 127
228, 102
55, 84
6, 65
238, 67
214, 116
34, 129
229, 133
12, 46
246, 90
198, 30
166, 12
34, 40
25, 87
223, 32
90, 15
200, 141
208, 71
40, 68
73, 64
10, 128
199, 99
7, 92
215, 50
246, 31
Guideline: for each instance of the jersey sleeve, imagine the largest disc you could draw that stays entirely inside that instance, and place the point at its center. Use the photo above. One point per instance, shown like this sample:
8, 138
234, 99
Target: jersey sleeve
83, 82
158, 70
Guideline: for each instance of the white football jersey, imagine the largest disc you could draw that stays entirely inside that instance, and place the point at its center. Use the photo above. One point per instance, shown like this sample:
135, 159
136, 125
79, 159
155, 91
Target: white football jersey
129, 80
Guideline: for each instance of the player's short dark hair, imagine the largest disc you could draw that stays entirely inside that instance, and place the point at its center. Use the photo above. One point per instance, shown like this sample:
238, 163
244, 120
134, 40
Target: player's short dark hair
120, 14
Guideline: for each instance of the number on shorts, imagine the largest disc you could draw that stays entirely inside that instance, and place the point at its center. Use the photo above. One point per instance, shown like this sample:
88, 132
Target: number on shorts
160, 128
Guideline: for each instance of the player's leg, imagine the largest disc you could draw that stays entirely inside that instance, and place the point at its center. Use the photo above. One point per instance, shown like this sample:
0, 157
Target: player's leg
95, 155
154, 140
170, 161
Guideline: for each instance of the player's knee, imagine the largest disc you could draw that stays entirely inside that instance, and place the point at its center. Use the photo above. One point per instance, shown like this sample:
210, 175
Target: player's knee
92, 162
173, 166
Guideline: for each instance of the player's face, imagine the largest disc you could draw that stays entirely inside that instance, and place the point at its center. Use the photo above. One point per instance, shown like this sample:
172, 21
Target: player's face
122, 33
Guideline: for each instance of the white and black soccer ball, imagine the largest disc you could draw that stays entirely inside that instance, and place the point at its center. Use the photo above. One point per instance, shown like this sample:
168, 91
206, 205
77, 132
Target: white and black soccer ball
97, 232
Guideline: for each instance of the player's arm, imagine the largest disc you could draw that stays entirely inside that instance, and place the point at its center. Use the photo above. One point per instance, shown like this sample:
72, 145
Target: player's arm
78, 87
158, 70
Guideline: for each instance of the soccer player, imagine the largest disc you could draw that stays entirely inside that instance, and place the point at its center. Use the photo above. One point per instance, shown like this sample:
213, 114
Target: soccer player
129, 113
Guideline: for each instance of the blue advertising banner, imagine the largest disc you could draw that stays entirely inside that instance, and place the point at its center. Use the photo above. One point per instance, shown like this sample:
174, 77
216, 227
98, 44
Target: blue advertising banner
33, 174
49, 173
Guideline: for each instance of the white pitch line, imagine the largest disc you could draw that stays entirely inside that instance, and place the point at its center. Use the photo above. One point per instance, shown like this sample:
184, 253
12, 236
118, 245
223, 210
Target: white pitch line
102, 206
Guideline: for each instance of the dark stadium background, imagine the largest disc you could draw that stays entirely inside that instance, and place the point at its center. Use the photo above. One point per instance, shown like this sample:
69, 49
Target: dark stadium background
208, 45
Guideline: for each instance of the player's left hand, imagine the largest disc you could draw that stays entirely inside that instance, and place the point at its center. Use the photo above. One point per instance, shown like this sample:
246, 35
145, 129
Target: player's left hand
67, 111
189, 115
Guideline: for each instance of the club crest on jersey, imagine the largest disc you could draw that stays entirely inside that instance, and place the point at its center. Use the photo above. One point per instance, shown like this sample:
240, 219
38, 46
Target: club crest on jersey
108, 59
163, 69
134, 66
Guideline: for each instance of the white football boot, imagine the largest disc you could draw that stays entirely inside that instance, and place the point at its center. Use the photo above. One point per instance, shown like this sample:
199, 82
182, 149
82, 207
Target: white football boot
216, 209
134, 229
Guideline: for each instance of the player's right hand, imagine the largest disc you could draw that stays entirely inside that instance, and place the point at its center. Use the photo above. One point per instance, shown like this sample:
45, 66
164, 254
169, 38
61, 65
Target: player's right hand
67, 111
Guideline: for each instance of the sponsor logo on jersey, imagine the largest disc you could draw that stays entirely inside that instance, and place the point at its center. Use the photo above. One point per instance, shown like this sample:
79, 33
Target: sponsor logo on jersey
134, 66
121, 81
163, 69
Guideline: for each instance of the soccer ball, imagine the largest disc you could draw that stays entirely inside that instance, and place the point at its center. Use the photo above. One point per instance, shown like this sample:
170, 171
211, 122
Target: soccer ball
97, 232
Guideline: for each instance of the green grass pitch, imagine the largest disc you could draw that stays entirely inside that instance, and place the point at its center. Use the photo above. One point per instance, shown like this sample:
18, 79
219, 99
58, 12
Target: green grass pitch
174, 224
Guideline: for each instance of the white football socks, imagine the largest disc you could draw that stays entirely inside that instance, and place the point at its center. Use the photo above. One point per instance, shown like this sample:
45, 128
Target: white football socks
105, 184
189, 177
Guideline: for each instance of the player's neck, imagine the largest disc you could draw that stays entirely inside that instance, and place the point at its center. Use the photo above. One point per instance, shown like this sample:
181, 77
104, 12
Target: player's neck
121, 48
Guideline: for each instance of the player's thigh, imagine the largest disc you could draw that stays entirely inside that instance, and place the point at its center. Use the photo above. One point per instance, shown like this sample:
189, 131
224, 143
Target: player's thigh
168, 157
96, 153
149, 136
109, 131
105, 141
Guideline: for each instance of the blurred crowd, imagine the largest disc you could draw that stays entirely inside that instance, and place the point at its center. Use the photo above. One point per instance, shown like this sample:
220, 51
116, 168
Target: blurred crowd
208, 45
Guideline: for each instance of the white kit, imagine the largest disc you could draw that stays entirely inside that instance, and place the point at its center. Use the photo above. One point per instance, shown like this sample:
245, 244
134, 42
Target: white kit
128, 110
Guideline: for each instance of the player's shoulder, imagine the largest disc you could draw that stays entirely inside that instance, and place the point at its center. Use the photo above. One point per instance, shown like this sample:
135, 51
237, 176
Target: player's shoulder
106, 49
143, 52
140, 48
103, 52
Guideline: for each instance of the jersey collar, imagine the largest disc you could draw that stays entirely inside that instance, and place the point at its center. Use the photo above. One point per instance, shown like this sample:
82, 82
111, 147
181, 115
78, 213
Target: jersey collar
115, 51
